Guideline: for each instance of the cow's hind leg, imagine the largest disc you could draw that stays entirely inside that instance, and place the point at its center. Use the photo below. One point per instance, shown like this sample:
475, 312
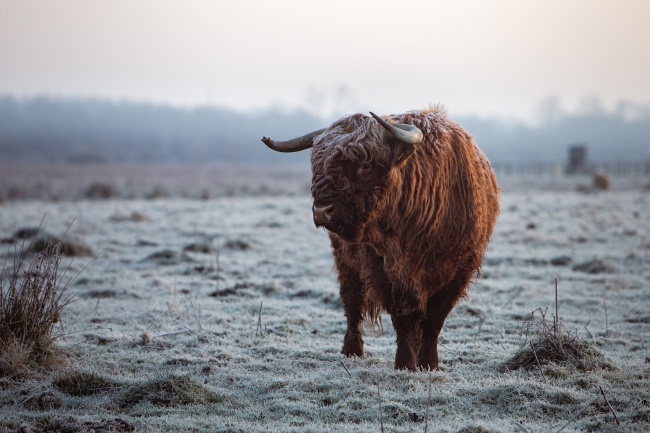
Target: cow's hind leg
409, 335
438, 308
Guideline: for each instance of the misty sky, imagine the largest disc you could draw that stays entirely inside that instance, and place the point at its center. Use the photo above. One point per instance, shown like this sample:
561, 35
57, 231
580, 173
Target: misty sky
476, 56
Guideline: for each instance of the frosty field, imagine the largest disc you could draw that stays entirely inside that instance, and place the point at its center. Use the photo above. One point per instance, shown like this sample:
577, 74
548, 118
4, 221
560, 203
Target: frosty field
222, 315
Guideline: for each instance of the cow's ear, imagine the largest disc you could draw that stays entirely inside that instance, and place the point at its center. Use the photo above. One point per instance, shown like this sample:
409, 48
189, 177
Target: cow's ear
401, 152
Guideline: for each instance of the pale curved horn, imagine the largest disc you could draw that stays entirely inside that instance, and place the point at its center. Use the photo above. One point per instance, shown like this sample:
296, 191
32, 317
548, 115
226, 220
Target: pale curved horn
408, 134
295, 145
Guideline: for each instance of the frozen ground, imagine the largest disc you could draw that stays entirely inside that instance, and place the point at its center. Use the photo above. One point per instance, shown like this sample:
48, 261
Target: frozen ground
238, 295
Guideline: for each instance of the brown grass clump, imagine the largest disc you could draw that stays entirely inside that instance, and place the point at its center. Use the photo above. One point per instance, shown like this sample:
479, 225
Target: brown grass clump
100, 191
67, 247
115, 425
168, 392
474, 429
52, 423
43, 401
554, 344
31, 301
81, 384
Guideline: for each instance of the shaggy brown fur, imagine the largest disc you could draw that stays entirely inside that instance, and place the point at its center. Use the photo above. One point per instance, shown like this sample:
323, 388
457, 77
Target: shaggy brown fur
409, 224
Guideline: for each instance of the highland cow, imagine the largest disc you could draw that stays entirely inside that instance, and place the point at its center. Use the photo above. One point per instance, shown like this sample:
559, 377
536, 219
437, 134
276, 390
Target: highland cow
409, 202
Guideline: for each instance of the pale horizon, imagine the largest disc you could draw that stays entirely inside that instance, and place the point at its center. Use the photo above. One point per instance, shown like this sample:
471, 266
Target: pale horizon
503, 58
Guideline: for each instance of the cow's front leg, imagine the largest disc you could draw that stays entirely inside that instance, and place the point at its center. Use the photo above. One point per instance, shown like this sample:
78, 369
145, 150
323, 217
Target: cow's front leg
354, 306
352, 296
409, 337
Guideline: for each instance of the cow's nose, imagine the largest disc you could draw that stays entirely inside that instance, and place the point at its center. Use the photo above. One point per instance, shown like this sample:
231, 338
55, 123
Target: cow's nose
322, 214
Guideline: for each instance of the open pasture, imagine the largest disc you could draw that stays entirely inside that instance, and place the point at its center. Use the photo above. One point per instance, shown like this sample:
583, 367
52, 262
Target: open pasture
222, 315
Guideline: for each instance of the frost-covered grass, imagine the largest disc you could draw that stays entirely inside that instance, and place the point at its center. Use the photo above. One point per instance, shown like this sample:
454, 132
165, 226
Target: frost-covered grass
223, 315
52, 181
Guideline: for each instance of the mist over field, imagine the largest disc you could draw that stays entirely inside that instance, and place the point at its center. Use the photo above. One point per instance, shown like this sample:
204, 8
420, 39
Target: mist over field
102, 130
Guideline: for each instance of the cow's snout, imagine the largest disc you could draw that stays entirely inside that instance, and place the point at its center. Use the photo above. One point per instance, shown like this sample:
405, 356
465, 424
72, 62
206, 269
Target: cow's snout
322, 214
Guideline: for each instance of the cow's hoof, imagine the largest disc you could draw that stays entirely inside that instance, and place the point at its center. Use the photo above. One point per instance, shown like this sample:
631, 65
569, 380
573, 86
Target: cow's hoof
352, 346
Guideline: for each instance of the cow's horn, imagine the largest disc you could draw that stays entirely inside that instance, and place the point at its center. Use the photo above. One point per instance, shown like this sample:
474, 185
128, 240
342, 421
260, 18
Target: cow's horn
406, 133
295, 145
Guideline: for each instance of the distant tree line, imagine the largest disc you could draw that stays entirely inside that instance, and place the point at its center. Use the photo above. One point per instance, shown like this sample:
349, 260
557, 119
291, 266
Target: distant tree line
622, 134
71, 129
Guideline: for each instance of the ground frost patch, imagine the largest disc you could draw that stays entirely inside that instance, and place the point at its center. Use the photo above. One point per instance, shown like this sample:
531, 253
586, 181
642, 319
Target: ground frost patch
223, 315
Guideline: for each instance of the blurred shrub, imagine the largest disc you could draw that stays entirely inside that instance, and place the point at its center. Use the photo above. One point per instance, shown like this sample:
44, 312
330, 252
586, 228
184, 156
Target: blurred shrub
100, 191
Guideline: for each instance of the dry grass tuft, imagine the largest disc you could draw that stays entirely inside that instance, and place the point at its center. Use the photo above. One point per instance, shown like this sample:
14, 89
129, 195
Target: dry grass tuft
554, 344
43, 401
67, 247
474, 429
170, 391
596, 266
100, 191
52, 423
81, 384
115, 425
31, 301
